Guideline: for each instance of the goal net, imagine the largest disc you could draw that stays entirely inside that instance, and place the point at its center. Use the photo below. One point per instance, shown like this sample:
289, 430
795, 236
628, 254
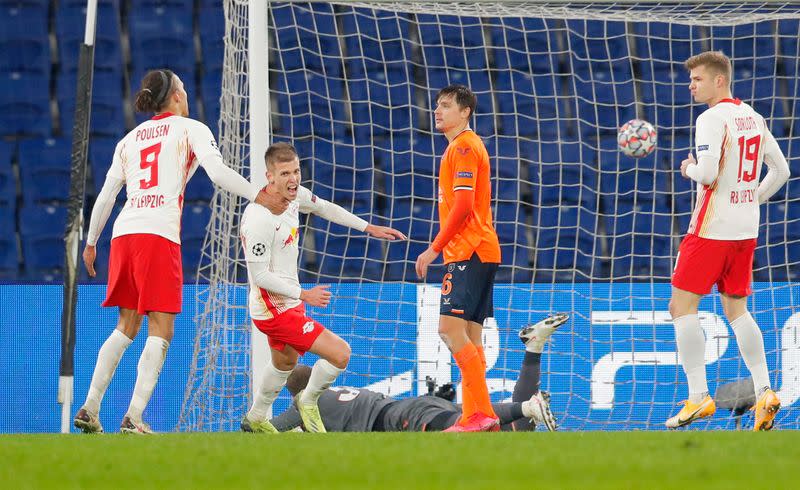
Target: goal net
583, 228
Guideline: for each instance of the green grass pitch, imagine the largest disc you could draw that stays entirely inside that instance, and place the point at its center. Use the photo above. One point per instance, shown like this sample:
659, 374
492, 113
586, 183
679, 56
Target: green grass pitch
588, 460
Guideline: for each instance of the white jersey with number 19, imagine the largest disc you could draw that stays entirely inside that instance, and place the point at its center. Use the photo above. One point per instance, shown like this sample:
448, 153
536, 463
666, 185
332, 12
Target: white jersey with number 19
156, 160
736, 135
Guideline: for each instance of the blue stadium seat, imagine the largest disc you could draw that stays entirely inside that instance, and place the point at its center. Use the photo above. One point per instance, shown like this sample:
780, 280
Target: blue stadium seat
101, 154
605, 99
199, 190
70, 30
664, 47
530, 45
668, 103
24, 41
42, 233
565, 174
212, 90
193, 233
107, 116
311, 104
307, 38
565, 243
629, 178
161, 37
212, 43
9, 250
639, 239
530, 104
45, 170
376, 36
348, 257
417, 219
452, 42
381, 101
740, 42
25, 105
511, 226
8, 183
601, 44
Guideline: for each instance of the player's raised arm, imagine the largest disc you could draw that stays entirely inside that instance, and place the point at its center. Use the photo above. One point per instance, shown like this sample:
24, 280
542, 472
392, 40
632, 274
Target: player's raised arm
309, 203
778, 169
207, 153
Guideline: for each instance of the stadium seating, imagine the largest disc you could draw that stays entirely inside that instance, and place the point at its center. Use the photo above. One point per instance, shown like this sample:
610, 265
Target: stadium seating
25, 104
45, 170
8, 183
24, 40
193, 233
70, 32
9, 249
42, 232
107, 116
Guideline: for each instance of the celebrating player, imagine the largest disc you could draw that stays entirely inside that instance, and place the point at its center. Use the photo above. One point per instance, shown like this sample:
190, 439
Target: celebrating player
471, 252
347, 409
731, 141
145, 275
277, 302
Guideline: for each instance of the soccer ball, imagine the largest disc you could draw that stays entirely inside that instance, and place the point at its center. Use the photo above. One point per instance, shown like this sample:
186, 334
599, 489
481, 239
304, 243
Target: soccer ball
637, 138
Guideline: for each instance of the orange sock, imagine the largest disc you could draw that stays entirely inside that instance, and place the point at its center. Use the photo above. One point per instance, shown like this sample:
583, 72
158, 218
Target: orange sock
473, 376
482, 355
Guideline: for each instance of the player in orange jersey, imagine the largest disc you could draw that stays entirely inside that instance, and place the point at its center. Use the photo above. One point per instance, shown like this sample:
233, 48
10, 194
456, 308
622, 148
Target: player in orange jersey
471, 252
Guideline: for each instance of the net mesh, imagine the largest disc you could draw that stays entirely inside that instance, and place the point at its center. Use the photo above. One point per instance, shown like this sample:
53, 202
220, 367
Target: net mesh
583, 228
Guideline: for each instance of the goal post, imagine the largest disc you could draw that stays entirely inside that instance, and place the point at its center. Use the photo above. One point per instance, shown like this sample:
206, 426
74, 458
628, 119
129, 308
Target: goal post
583, 228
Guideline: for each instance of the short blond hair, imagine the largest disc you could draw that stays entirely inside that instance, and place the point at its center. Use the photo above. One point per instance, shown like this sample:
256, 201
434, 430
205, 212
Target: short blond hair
715, 61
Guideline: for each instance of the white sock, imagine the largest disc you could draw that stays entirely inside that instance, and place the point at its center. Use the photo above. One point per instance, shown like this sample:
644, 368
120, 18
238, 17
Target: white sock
323, 374
691, 352
107, 360
751, 345
150, 364
271, 384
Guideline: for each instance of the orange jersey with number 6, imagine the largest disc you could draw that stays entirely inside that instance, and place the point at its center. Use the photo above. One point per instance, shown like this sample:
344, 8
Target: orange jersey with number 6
465, 166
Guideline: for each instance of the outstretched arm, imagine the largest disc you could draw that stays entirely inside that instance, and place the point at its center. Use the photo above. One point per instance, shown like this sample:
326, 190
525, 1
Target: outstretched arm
103, 206
334, 213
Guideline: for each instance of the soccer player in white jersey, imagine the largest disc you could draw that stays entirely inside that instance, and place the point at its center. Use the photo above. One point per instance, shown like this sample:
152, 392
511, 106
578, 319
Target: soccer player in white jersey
145, 276
731, 141
276, 300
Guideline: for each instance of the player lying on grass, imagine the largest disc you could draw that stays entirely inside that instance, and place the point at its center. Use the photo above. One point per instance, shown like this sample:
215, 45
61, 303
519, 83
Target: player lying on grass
277, 302
346, 409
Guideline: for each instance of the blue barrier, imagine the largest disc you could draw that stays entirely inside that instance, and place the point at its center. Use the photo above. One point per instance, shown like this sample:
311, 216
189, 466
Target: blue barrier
613, 367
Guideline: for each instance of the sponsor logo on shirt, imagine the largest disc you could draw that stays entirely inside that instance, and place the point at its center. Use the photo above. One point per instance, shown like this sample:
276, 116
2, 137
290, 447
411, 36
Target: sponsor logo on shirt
291, 238
464, 175
702, 148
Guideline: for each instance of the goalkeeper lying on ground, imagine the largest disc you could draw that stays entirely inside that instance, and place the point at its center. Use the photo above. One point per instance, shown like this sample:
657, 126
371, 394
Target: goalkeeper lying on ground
346, 409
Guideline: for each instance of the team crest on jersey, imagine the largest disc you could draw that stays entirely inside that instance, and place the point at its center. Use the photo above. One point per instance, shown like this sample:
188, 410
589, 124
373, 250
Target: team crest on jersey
292, 238
462, 151
450, 267
214, 144
259, 249
308, 327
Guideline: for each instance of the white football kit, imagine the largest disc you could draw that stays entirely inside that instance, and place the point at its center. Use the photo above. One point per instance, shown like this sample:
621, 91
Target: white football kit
155, 161
731, 141
271, 250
